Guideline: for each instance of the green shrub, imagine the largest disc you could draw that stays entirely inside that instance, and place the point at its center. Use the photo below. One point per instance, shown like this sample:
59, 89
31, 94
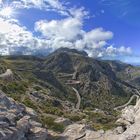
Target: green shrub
75, 117
37, 88
49, 122
16, 97
29, 103
14, 87
52, 110
101, 120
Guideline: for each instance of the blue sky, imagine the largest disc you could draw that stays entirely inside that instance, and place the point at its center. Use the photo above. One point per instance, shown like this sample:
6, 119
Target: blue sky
108, 29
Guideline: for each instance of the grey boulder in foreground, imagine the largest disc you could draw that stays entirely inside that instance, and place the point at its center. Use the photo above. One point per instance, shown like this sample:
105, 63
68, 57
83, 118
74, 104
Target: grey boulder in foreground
18, 122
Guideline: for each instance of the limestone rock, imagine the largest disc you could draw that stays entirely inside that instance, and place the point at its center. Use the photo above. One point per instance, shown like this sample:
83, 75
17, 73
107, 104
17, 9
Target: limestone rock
31, 112
37, 133
63, 121
18, 122
127, 117
74, 131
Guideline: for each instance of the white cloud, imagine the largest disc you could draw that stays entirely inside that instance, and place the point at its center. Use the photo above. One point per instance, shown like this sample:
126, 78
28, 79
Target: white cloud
43, 4
46, 5
15, 37
67, 32
34, 3
38, 3
13, 33
98, 34
124, 50
0, 1
55, 3
79, 13
113, 51
68, 29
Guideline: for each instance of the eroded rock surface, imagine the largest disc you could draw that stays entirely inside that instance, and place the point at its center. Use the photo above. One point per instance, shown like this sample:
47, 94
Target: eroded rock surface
18, 122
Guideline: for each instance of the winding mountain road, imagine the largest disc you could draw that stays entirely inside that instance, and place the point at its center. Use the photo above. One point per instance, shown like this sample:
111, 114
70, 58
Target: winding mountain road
138, 93
130, 100
7, 73
78, 98
75, 82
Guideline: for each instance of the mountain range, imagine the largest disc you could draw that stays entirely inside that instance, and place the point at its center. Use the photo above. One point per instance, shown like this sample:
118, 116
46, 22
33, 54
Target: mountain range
67, 83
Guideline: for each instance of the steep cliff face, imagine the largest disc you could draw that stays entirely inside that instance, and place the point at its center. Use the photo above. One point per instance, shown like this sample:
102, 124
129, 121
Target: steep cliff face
18, 122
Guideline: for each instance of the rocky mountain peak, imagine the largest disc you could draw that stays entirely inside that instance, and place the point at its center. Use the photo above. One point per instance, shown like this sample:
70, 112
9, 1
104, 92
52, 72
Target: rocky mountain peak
71, 51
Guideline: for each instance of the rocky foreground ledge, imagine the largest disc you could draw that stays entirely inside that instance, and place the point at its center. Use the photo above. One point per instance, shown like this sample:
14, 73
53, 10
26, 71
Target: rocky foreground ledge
18, 122
128, 129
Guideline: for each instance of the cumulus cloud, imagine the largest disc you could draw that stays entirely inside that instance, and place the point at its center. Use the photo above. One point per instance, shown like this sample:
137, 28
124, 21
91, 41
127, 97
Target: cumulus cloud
113, 51
69, 33
68, 29
14, 37
43, 4
98, 35
47, 5
12, 32
66, 32
37, 3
